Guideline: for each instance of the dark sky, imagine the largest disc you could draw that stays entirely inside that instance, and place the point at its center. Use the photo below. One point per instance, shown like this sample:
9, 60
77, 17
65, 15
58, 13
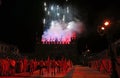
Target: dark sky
20, 19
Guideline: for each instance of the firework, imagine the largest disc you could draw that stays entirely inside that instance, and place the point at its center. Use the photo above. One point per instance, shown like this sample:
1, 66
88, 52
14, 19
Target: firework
60, 25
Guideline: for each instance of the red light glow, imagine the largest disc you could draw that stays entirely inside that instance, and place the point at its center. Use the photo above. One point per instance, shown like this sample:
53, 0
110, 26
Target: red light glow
106, 23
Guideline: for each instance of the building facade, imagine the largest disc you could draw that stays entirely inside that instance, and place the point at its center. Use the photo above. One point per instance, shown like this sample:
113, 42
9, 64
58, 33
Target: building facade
5, 48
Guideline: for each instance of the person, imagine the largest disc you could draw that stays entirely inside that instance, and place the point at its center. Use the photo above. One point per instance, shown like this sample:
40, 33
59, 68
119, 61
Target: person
12, 66
48, 64
41, 63
31, 66
39, 67
25, 64
34, 64
53, 67
58, 66
5, 66
21, 65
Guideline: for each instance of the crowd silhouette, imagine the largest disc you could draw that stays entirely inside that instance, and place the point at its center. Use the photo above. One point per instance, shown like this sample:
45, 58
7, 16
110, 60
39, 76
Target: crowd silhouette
9, 66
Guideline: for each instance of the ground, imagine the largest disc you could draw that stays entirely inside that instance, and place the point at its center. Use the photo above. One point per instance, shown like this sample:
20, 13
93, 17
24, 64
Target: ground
76, 72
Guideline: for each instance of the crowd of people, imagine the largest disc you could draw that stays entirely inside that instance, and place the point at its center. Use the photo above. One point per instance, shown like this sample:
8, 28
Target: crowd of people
102, 65
10, 66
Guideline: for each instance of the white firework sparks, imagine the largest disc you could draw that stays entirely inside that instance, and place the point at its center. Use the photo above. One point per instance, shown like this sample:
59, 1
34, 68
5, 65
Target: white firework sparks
60, 24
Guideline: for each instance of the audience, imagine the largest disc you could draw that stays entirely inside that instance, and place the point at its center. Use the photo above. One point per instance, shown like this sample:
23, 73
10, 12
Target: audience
9, 66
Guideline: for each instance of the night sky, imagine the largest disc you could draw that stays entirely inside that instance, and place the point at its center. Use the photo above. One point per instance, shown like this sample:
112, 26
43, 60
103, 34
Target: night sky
21, 19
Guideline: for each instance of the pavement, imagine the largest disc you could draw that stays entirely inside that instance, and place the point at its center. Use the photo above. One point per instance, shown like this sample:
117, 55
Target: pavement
85, 72
76, 72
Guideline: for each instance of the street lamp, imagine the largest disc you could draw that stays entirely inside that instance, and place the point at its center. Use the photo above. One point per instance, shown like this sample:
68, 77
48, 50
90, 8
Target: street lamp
106, 29
103, 28
107, 23
85, 56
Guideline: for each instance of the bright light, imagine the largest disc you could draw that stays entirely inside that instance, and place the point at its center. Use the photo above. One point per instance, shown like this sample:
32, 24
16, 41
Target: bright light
67, 9
88, 50
44, 21
58, 14
52, 23
45, 4
52, 8
63, 19
102, 28
59, 24
45, 8
48, 12
106, 23
58, 7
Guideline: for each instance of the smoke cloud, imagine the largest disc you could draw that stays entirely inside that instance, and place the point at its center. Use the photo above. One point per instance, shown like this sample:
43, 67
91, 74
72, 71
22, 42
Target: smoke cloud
62, 33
